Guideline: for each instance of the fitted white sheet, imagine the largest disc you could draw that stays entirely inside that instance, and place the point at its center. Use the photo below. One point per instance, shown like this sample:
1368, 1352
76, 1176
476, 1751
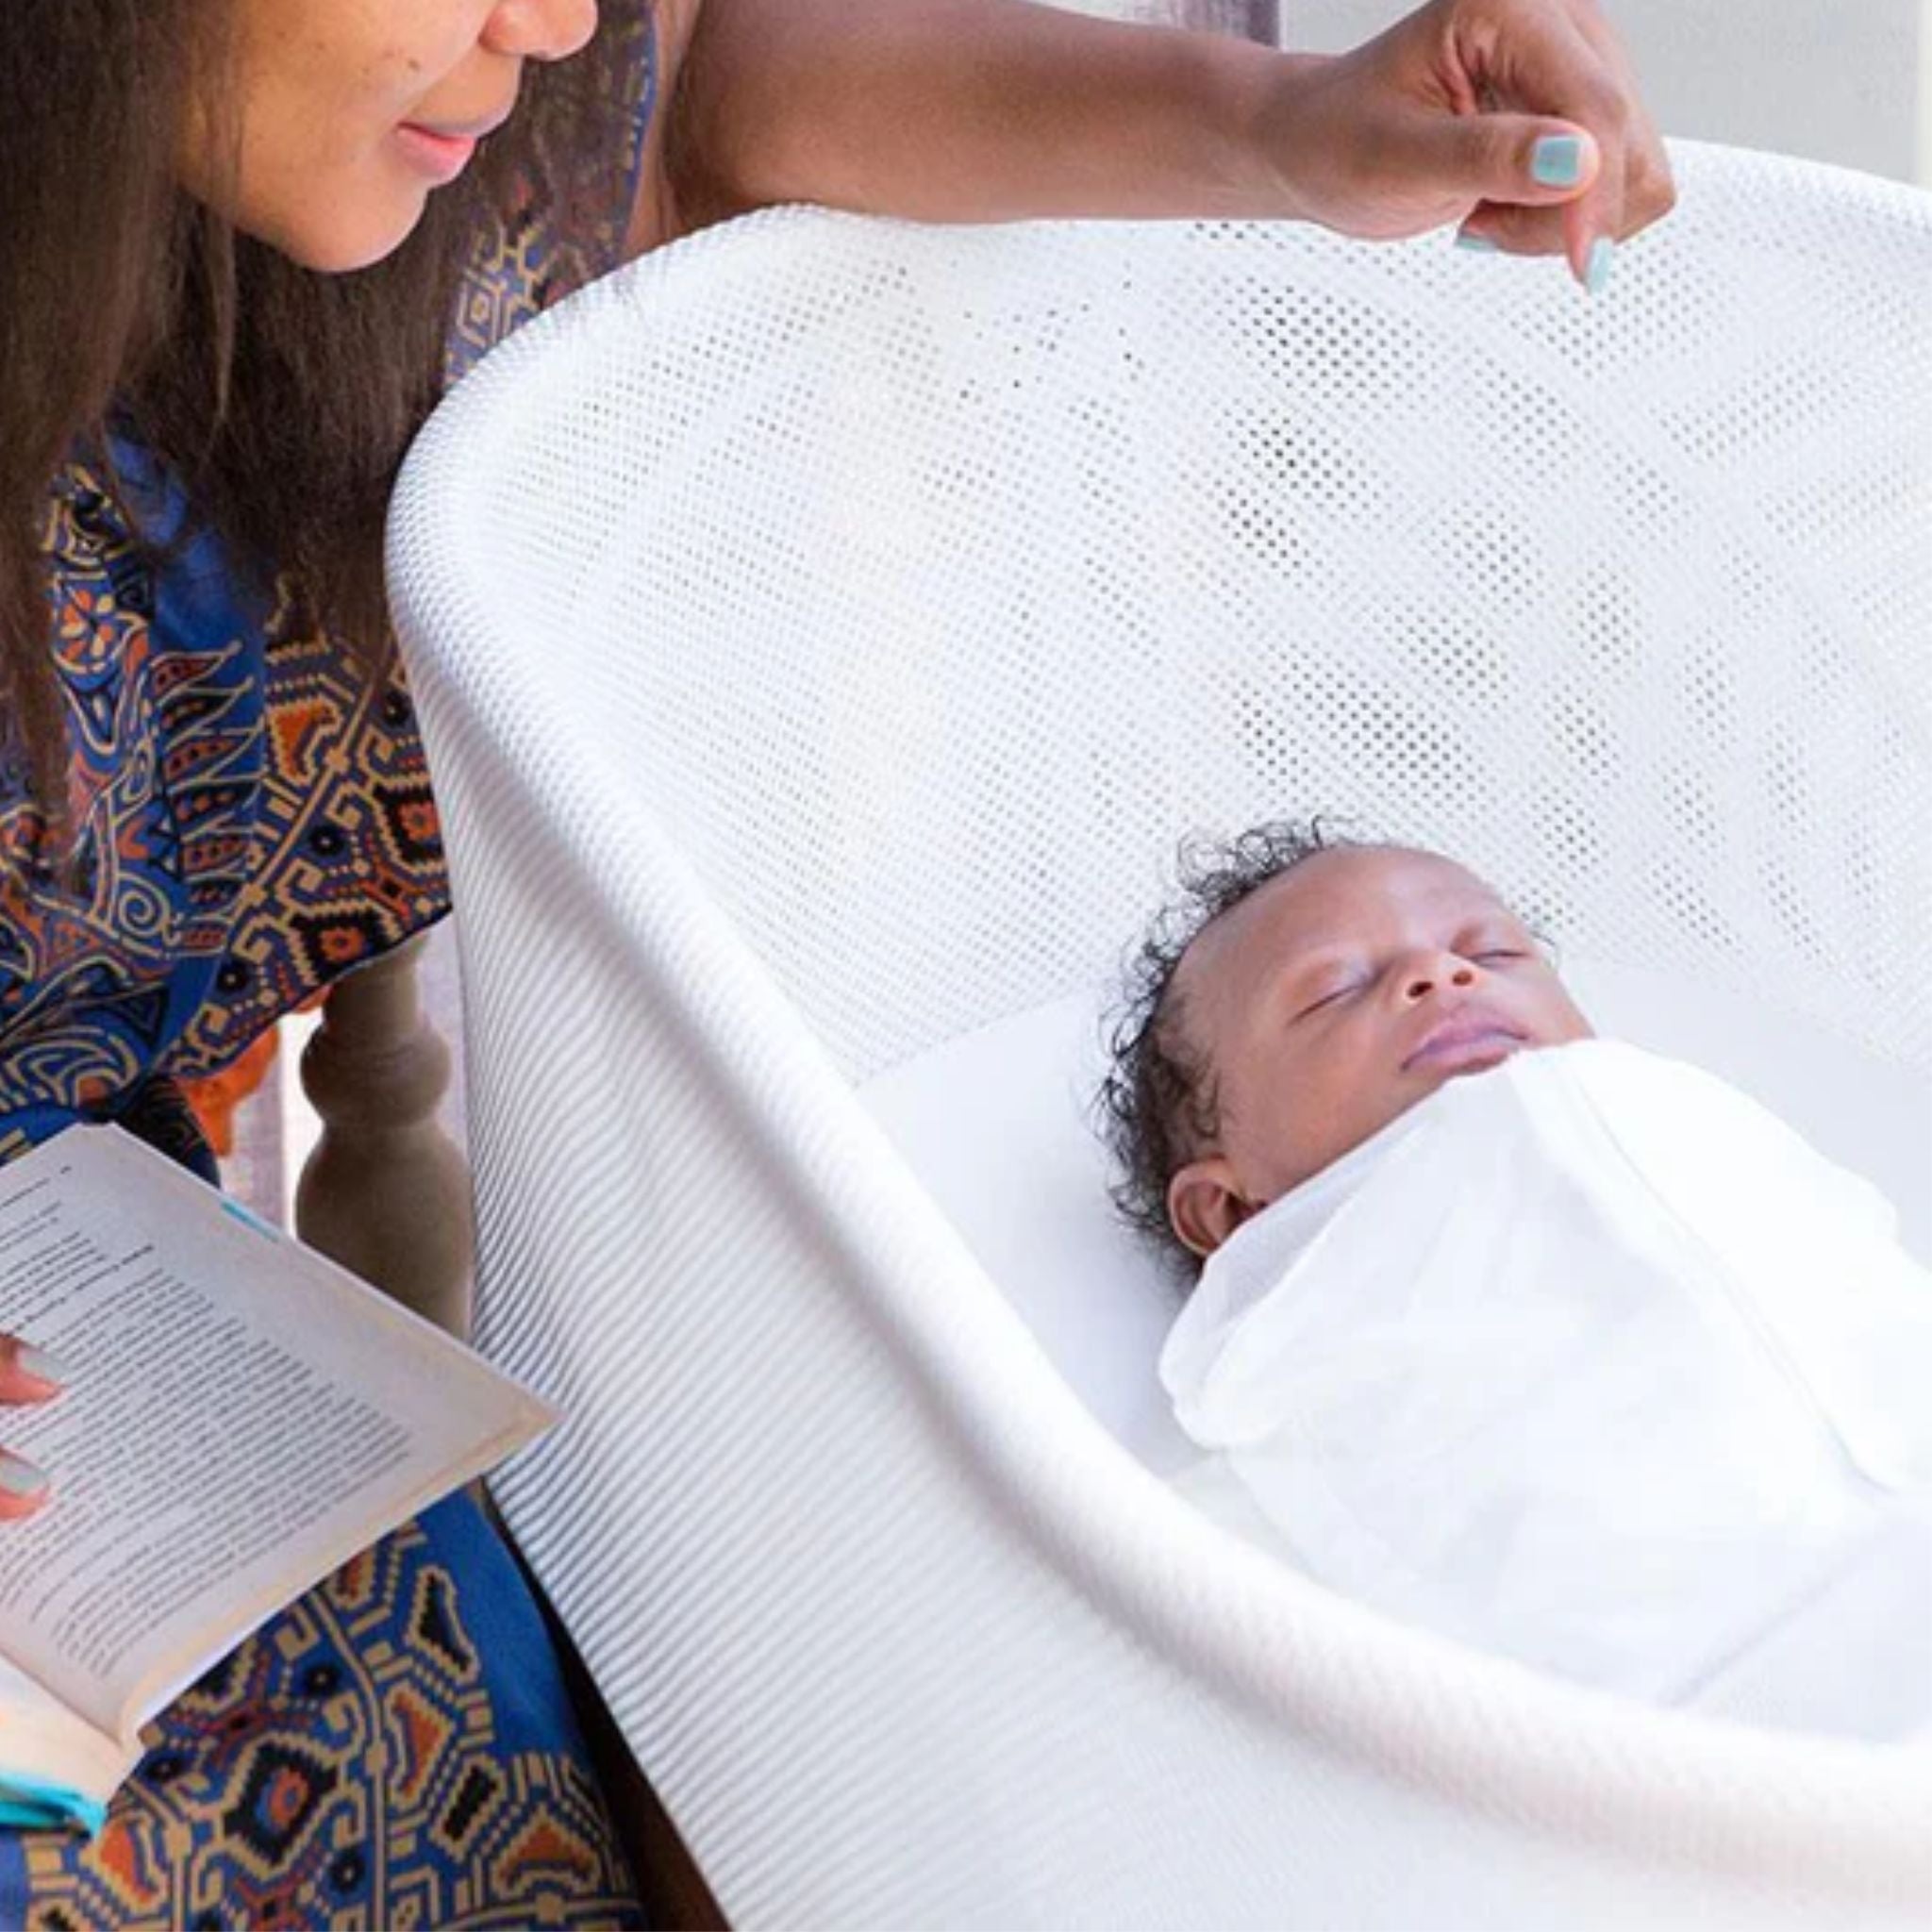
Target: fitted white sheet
996, 1122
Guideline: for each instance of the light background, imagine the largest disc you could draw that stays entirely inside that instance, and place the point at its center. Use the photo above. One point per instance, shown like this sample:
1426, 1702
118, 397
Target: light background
1837, 80
1847, 81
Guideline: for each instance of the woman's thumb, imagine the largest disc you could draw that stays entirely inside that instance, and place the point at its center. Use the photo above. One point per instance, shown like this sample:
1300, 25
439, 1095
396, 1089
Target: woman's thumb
1519, 160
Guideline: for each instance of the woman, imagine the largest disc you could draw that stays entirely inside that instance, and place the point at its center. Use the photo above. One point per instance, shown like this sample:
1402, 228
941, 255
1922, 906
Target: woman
246, 242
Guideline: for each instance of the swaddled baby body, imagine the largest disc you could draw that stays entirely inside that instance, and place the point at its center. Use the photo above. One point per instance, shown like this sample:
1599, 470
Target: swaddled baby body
1553, 1345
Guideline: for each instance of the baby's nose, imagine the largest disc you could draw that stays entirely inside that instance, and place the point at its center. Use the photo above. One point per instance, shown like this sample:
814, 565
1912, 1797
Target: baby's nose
1431, 975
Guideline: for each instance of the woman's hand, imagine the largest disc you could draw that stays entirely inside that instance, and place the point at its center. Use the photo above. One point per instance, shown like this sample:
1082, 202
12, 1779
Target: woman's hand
26, 1375
1518, 119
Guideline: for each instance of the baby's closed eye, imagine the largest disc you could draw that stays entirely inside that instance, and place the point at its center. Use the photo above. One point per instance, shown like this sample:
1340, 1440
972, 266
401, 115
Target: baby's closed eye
1329, 990
1494, 944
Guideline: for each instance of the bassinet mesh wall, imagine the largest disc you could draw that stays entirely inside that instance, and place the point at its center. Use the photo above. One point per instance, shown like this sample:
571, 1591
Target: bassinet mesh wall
824, 630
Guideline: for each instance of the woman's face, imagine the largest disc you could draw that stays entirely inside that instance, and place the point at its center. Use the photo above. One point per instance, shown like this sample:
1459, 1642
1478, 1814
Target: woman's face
353, 112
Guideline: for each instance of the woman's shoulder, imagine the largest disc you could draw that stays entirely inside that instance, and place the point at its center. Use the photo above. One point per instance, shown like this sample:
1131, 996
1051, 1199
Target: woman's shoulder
654, 216
538, 253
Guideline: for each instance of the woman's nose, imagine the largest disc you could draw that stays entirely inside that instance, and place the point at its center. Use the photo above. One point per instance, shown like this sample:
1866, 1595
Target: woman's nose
1434, 973
540, 29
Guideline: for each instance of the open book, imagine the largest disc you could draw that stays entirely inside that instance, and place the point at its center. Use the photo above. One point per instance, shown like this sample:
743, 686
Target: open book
242, 1417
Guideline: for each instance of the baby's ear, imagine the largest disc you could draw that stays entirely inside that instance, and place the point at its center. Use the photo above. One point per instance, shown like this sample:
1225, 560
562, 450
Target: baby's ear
1204, 1205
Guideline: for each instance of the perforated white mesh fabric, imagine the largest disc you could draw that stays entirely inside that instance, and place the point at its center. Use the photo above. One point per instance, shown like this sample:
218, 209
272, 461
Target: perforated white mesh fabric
1073, 544
824, 630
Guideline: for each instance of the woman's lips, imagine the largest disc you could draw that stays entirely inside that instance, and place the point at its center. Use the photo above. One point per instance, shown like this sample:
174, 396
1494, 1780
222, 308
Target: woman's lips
442, 157
1465, 1043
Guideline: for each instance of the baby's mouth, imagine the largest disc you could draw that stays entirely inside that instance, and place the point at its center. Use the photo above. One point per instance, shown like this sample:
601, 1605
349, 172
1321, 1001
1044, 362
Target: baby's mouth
1465, 1042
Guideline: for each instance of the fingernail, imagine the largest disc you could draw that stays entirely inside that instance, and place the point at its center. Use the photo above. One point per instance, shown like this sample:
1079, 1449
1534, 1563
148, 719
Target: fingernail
43, 1367
19, 1477
1557, 160
1603, 259
1476, 244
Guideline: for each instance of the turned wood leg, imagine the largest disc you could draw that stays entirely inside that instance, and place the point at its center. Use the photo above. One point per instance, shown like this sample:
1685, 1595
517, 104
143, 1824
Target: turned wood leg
386, 1192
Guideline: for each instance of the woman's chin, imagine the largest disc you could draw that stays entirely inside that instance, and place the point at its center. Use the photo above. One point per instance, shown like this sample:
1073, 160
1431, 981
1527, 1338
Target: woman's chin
348, 238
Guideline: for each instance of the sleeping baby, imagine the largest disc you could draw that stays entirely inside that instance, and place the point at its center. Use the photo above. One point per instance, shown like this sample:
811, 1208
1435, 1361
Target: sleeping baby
1549, 1344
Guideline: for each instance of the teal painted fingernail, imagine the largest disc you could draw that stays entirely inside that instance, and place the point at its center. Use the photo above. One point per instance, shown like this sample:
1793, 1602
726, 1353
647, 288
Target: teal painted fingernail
19, 1477
1476, 244
1603, 259
43, 1367
1557, 160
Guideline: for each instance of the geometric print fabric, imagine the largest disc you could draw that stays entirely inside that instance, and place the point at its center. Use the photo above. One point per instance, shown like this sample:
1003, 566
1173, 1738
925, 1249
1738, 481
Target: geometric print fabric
362, 1760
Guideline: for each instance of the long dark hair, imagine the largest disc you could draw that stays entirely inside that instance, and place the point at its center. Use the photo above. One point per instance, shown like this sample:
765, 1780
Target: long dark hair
282, 400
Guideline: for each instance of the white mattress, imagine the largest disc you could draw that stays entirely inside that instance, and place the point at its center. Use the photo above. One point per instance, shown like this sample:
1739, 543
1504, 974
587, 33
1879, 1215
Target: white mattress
997, 1124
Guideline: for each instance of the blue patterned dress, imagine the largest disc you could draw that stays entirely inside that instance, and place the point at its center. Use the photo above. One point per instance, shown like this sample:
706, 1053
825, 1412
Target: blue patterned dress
396, 1748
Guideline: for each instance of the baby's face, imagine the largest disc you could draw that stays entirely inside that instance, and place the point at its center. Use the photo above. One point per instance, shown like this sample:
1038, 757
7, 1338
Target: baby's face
1335, 998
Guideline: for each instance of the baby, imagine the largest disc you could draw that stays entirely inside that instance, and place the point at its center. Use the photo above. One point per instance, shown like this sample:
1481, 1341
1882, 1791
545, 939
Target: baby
1308, 993
1556, 1347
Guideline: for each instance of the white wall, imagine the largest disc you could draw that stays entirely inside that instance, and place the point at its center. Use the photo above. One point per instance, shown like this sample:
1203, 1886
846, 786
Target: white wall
1839, 81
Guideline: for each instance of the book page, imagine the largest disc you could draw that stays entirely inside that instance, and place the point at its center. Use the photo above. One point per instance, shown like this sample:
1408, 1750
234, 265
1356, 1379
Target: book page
243, 1416
42, 1740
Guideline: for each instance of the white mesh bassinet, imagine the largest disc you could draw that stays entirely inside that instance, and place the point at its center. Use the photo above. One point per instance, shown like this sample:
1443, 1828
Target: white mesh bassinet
823, 630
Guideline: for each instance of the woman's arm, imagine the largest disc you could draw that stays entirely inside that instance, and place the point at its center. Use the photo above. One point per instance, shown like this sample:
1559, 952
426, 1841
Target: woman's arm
966, 110
996, 109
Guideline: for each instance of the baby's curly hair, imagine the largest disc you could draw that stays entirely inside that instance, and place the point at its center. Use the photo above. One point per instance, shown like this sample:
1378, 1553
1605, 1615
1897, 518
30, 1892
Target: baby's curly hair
1159, 1104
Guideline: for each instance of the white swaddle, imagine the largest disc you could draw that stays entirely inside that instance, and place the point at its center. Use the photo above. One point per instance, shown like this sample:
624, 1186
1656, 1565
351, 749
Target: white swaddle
1591, 1360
